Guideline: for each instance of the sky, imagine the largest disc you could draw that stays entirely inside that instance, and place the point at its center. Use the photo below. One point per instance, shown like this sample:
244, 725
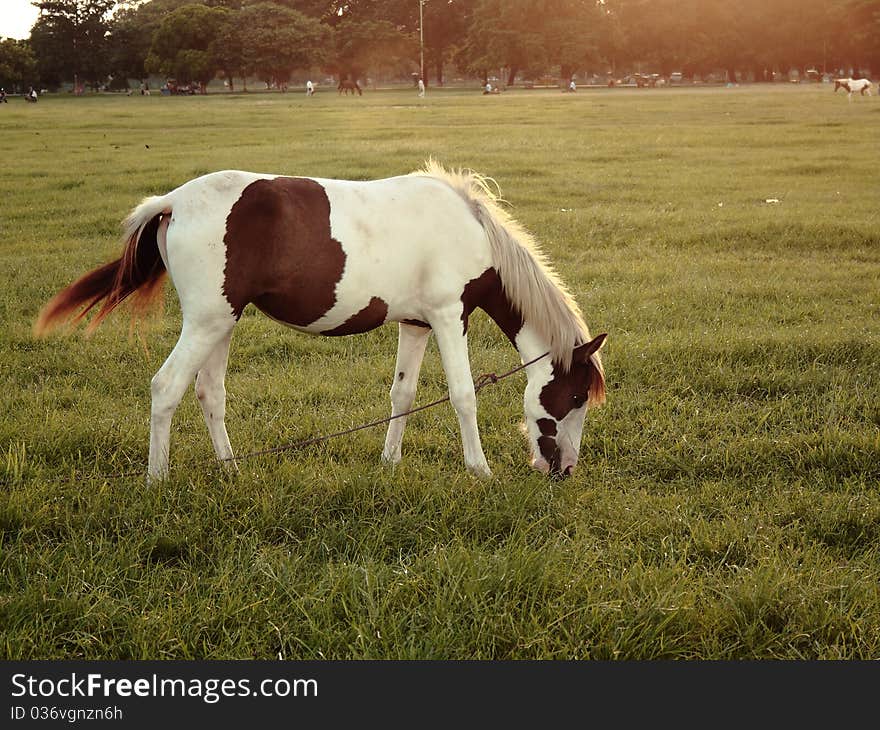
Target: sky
16, 18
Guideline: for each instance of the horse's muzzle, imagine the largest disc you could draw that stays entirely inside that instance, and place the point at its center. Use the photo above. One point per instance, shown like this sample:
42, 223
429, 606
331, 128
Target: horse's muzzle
558, 476
552, 467
557, 473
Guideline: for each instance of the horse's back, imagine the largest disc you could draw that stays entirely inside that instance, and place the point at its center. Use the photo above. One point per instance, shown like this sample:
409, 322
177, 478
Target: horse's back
411, 242
401, 216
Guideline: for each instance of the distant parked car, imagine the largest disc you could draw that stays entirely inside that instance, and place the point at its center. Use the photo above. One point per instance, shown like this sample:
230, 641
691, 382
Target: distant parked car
642, 80
675, 77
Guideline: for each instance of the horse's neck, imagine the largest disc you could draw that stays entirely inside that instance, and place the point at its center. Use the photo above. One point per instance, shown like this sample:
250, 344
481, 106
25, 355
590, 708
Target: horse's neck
524, 337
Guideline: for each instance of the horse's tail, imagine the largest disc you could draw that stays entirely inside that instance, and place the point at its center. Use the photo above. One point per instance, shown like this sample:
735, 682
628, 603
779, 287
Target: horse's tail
140, 270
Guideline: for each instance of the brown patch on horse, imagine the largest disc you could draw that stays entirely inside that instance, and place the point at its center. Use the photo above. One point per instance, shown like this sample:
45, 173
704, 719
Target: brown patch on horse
583, 383
547, 443
279, 252
370, 317
550, 451
487, 293
567, 391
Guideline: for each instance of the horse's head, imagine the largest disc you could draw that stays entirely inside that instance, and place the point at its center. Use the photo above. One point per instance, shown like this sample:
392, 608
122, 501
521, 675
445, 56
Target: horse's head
556, 405
841, 84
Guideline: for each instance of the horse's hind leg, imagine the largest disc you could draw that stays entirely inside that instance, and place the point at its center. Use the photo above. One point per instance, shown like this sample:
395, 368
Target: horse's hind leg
193, 348
411, 343
211, 392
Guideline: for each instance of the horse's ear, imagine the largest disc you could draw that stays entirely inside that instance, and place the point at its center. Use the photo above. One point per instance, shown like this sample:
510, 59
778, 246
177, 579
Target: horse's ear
582, 353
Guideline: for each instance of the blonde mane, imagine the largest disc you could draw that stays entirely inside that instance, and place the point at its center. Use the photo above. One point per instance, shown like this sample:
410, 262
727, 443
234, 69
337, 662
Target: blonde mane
529, 280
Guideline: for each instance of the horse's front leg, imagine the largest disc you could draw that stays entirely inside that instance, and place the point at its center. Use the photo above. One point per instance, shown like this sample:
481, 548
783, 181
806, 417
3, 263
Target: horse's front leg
452, 342
411, 342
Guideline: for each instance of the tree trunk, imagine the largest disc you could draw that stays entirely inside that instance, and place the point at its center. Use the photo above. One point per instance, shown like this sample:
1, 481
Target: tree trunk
731, 75
511, 77
438, 70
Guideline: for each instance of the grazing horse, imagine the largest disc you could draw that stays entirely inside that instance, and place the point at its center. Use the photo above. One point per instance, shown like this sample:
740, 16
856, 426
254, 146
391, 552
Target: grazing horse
340, 257
346, 85
863, 86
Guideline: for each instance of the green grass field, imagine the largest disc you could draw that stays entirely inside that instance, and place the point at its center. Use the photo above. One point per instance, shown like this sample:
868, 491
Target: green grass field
726, 504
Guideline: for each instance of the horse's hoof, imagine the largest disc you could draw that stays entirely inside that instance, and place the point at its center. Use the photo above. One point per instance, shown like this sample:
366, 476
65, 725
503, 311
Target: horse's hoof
153, 480
392, 459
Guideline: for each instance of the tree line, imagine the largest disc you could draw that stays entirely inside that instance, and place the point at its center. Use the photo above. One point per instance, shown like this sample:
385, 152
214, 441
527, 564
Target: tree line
108, 42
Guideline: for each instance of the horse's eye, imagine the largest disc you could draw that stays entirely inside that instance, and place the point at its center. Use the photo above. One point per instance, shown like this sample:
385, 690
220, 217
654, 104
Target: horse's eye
578, 400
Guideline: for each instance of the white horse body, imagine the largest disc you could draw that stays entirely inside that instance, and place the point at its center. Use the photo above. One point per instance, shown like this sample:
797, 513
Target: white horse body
338, 257
387, 229
851, 86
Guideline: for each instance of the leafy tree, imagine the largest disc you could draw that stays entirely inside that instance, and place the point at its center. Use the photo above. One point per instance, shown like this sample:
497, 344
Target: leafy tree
185, 44
445, 23
131, 32
69, 40
571, 34
129, 44
272, 41
646, 30
324, 10
860, 21
532, 36
505, 34
230, 50
17, 64
364, 45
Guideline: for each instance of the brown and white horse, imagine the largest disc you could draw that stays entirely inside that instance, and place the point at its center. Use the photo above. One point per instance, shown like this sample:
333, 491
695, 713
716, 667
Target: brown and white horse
340, 257
863, 86
348, 85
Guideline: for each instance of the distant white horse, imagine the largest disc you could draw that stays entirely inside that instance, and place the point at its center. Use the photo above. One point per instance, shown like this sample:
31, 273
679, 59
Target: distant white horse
863, 86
